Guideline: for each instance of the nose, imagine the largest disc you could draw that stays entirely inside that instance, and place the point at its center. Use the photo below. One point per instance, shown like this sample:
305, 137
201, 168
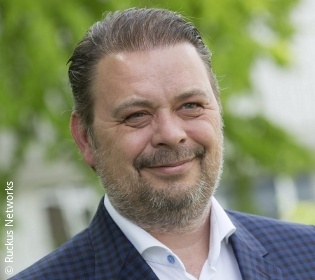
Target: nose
168, 130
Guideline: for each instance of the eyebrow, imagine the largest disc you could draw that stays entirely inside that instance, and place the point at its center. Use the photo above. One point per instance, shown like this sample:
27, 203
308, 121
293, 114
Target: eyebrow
147, 103
129, 104
192, 93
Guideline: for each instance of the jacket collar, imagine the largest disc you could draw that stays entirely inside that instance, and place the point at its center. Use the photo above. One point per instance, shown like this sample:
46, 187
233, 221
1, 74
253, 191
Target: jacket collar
251, 255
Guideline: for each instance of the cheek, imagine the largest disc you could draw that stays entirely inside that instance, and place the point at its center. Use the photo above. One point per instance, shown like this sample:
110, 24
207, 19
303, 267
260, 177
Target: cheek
126, 146
205, 133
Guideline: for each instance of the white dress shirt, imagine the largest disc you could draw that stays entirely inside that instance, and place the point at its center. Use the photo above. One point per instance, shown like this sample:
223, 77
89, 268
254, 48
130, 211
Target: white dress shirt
221, 262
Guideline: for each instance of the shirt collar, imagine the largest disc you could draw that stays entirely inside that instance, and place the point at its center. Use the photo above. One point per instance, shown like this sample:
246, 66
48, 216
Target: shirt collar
141, 239
221, 228
219, 218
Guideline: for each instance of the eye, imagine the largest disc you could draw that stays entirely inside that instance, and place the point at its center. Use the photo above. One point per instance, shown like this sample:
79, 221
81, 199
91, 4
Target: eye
190, 106
135, 115
137, 119
191, 110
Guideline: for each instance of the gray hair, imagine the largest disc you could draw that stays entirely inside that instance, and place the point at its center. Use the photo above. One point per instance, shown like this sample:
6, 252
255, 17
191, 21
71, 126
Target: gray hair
127, 31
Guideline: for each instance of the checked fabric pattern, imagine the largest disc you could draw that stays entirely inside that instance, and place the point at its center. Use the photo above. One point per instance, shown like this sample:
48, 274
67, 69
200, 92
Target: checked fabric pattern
99, 252
270, 249
264, 248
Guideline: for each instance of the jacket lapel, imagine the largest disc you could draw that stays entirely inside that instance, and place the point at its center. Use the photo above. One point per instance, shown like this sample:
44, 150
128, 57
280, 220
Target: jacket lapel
251, 256
135, 267
115, 257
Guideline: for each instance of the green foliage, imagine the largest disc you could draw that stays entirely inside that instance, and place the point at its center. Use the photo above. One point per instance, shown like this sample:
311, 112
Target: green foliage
37, 38
303, 213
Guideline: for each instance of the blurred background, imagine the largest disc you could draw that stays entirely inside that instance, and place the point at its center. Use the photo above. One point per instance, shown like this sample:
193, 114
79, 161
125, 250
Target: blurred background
263, 56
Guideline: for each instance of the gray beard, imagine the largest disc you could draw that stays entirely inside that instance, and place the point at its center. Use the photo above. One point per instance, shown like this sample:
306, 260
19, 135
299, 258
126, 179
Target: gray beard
173, 208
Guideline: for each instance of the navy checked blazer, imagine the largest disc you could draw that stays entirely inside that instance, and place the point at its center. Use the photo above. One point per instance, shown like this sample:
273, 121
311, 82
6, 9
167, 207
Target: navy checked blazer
264, 249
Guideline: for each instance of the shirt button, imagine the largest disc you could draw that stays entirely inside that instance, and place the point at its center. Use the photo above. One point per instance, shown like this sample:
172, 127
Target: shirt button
171, 259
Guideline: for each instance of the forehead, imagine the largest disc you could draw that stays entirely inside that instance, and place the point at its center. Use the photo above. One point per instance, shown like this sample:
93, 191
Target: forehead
156, 73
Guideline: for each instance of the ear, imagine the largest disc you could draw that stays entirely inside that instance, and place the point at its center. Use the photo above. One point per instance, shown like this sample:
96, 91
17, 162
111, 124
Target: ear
82, 139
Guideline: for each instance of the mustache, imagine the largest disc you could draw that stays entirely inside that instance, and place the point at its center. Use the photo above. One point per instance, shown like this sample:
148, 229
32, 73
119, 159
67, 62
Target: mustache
164, 156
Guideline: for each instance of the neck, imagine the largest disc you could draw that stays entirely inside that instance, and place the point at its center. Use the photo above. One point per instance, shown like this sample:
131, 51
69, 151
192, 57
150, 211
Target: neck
192, 247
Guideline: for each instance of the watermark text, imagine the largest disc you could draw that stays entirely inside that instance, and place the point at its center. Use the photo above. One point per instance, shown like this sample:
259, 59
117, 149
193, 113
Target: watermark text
9, 232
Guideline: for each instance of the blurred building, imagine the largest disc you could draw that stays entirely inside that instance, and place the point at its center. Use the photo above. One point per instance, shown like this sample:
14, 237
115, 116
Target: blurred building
288, 98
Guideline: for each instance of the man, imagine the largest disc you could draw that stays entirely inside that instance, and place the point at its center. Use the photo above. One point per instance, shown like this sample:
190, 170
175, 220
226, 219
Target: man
147, 119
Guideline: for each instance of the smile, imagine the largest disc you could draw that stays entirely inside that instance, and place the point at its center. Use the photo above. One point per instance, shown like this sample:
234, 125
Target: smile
176, 168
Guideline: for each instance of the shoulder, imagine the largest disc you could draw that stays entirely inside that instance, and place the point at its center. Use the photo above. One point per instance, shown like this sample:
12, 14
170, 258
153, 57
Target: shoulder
72, 260
98, 252
254, 223
274, 234
282, 246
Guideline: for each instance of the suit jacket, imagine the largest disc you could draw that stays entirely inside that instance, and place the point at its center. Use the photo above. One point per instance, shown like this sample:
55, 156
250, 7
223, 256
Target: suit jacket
264, 249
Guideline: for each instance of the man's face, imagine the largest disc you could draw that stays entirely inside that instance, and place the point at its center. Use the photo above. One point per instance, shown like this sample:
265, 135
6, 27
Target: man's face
157, 134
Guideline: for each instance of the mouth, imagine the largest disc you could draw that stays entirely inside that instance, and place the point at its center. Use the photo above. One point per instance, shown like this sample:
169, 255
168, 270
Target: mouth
172, 168
171, 164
